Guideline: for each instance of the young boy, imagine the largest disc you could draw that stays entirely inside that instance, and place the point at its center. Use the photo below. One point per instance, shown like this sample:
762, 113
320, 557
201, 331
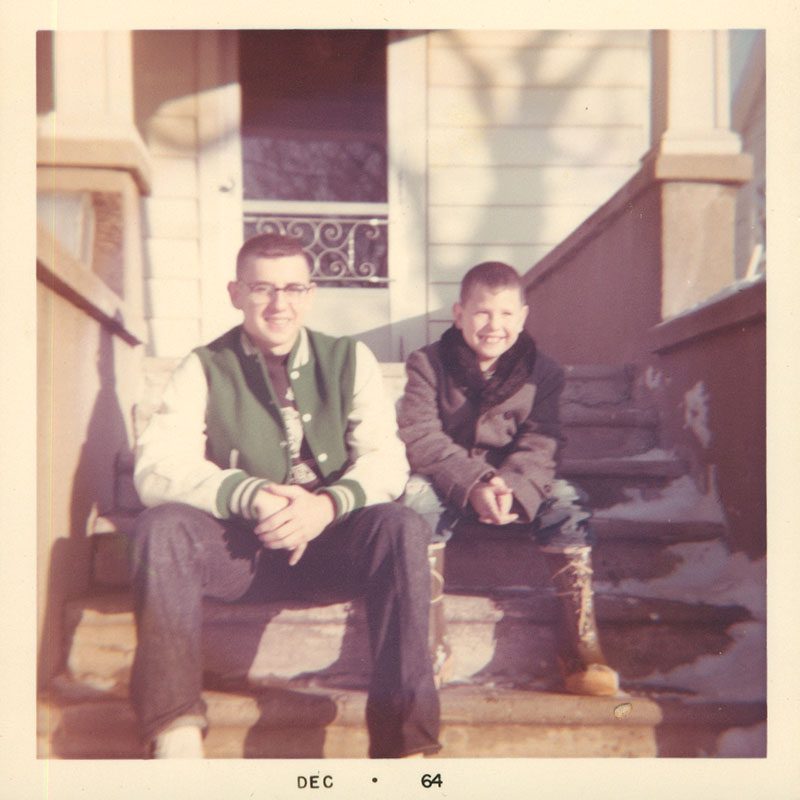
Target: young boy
479, 418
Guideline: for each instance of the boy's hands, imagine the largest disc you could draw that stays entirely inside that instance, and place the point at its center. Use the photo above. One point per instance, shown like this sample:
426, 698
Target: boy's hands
296, 516
492, 502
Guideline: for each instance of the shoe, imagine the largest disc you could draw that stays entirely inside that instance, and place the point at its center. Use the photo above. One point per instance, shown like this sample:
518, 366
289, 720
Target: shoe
584, 668
182, 739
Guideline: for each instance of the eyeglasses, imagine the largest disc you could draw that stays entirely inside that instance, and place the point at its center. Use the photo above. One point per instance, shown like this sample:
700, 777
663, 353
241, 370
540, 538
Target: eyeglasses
263, 291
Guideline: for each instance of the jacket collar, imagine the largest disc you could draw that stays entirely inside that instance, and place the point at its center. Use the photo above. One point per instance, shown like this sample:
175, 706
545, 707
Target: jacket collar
300, 353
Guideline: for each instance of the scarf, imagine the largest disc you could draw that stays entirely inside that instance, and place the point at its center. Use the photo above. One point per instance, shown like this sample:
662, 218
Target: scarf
511, 370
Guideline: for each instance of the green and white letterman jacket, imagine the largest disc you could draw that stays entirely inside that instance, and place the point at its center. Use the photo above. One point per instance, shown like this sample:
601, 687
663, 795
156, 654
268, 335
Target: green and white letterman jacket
219, 436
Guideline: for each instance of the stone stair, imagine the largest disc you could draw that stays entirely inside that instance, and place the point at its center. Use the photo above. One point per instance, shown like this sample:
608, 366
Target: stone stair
288, 680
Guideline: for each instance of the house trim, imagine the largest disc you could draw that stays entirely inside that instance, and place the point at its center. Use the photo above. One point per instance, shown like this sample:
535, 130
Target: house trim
71, 279
740, 304
407, 113
111, 145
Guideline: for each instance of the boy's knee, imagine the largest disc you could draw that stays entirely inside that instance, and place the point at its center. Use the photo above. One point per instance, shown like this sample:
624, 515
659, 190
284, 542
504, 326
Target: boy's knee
421, 496
403, 519
402, 529
159, 528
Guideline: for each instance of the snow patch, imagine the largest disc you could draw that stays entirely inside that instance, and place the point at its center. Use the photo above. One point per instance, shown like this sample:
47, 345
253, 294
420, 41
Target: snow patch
654, 454
743, 742
738, 674
679, 501
695, 413
653, 378
706, 573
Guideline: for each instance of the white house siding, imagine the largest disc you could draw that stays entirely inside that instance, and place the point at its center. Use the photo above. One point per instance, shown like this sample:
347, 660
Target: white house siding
528, 133
166, 94
748, 119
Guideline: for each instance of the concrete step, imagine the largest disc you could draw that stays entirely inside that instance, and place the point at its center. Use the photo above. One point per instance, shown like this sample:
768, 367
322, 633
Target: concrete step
609, 481
597, 384
476, 722
607, 431
478, 558
506, 637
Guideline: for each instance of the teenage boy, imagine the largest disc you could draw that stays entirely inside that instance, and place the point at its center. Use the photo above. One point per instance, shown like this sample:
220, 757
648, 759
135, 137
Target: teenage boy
479, 417
270, 468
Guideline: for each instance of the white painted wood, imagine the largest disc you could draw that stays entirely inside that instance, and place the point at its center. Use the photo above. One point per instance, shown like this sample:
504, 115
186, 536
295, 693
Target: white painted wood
691, 93
749, 120
530, 146
436, 327
173, 338
172, 258
171, 136
119, 60
441, 297
505, 186
304, 207
171, 218
220, 176
80, 75
458, 106
449, 262
499, 65
173, 298
407, 133
493, 225
175, 177
363, 313
530, 131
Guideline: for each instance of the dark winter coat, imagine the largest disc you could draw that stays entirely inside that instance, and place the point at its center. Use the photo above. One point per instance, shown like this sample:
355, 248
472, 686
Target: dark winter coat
454, 440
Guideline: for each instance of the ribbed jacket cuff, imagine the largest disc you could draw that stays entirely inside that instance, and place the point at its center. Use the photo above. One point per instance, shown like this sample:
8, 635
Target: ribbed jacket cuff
347, 496
236, 494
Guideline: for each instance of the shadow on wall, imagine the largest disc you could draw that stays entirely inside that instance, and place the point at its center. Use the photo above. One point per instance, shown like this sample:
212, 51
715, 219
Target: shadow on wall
516, 212
92, 490
380, 339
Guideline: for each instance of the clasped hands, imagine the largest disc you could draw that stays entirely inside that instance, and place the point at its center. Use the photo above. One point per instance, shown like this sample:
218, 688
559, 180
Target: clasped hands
288, 517
492, 502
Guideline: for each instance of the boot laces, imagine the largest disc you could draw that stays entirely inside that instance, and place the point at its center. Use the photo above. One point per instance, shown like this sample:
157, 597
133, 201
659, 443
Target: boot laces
580, 572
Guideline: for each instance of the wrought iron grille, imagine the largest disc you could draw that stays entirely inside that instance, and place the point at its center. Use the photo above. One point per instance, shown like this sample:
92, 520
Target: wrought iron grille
345, 249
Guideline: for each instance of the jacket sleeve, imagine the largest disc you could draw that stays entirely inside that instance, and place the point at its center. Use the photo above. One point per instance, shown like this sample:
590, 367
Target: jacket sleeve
378, 468
530, 468
453, 470
171, 465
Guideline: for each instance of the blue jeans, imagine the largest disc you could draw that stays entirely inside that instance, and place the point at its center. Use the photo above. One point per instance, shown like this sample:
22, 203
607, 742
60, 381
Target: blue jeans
181, 555
561, 523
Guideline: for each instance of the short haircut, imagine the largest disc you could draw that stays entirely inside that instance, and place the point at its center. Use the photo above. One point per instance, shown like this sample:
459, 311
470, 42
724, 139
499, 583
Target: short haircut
270, 245
494, 275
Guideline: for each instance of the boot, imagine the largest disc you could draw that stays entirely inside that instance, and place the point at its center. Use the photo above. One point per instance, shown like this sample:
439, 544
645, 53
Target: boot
583, 665
441, 653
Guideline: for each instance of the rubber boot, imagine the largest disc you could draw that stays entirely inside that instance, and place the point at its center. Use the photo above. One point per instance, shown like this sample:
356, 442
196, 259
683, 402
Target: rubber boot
441, 653
584, 667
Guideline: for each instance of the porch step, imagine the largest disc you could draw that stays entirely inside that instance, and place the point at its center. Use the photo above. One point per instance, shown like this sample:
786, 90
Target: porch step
625, 548
608, 481
597, 384
476, 722
506, 637
479, 559
607, 430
